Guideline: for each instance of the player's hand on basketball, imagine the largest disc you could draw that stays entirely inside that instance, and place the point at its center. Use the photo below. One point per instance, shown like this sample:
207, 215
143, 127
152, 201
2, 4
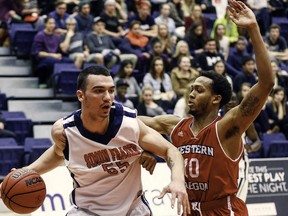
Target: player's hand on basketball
241, 15
177, 190
148, 161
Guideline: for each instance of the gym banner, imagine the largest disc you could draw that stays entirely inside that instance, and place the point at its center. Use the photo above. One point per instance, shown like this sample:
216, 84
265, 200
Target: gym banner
268, 189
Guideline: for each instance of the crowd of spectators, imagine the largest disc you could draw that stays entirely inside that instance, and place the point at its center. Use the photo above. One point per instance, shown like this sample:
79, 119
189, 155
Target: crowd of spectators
160, 47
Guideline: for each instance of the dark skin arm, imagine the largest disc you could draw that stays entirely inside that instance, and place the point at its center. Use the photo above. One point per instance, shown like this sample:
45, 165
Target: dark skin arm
238, 119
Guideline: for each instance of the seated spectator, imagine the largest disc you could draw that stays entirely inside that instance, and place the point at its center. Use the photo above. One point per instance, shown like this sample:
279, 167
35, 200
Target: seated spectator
231, 28
168, 42
122, 11
113, 27
46, 53
277, 45
31, 11
219, 67
187, 6
181, 108
164, 18
195, 16
72, 43
147, 106
126, 72
261, 10
277, 110
176, 12
275, 41
210, 55
161, 84
84, 18
101, 47
281, 77
196, 39
207, 6
247, 75
183, 75
136, 43
60, 16
4, 133
182, 49
222, 40
121, 90
10, 11
236, 56
148, 26
156, 51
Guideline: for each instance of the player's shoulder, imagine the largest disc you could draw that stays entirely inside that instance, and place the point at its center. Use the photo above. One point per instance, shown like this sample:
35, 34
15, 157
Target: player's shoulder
57, 129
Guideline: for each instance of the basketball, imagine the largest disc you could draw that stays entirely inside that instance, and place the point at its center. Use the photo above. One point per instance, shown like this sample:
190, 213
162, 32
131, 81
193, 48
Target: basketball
23, 191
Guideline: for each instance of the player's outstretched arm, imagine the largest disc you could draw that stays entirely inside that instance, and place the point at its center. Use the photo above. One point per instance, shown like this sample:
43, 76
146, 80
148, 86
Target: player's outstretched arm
164, 124
238, 119
152, 141
53, 156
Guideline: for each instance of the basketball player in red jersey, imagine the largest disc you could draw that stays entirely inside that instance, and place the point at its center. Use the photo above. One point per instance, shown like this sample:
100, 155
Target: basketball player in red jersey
211, 145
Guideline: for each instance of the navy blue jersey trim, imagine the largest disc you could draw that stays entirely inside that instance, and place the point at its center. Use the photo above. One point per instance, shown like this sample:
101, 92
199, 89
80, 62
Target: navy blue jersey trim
116, 118
130, 114
66, 151
144, 200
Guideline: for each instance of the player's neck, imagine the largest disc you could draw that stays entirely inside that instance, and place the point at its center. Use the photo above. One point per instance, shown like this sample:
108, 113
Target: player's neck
97, 125
201, 121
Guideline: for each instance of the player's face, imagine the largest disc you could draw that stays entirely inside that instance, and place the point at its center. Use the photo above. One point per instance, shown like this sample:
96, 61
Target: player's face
200, 97
97, 99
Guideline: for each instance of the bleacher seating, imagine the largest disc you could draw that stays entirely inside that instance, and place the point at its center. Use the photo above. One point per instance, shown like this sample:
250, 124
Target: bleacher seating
270, 139
21, 126
8, 142
10, 157
12, 115
34, 147
67, 81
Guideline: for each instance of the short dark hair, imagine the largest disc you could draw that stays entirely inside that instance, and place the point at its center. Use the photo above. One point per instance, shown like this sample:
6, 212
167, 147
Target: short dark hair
47, 19
275, 26
220, 85
134, 22
92, 70
247, 59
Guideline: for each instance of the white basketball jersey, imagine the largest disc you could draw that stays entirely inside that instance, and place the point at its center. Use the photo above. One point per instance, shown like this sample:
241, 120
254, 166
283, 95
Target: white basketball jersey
105, 168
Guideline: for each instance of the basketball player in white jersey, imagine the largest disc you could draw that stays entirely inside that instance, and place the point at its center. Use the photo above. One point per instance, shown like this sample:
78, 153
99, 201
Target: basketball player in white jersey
101, 144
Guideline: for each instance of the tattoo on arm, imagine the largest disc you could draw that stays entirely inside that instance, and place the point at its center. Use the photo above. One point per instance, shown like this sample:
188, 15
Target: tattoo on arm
170, 162
248, 107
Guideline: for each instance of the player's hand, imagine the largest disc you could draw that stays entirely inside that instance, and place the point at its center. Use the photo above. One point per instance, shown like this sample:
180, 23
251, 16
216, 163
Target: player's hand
177, 190
241, 15
148, 161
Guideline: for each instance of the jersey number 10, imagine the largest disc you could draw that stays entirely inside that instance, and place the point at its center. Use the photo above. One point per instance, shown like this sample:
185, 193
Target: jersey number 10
191, 167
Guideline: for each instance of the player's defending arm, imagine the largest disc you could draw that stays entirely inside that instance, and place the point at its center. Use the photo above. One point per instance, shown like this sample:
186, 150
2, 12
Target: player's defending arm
53, 156
238, 119
152, 141
164, 124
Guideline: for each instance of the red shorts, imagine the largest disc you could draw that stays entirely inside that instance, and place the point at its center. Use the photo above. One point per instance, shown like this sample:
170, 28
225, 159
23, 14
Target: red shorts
228, 206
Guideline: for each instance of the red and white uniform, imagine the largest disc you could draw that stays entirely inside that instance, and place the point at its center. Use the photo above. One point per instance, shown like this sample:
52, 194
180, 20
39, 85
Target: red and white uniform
210, 175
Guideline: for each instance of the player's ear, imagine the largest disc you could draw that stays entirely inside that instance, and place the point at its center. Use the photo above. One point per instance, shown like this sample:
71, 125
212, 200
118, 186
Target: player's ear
80, 95
216, 99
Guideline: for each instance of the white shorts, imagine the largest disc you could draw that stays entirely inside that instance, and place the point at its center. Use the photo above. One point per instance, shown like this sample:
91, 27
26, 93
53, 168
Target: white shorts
139, 207
243, 177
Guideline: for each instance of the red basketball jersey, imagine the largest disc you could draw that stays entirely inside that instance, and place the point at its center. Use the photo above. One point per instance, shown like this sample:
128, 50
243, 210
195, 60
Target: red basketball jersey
209, 173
